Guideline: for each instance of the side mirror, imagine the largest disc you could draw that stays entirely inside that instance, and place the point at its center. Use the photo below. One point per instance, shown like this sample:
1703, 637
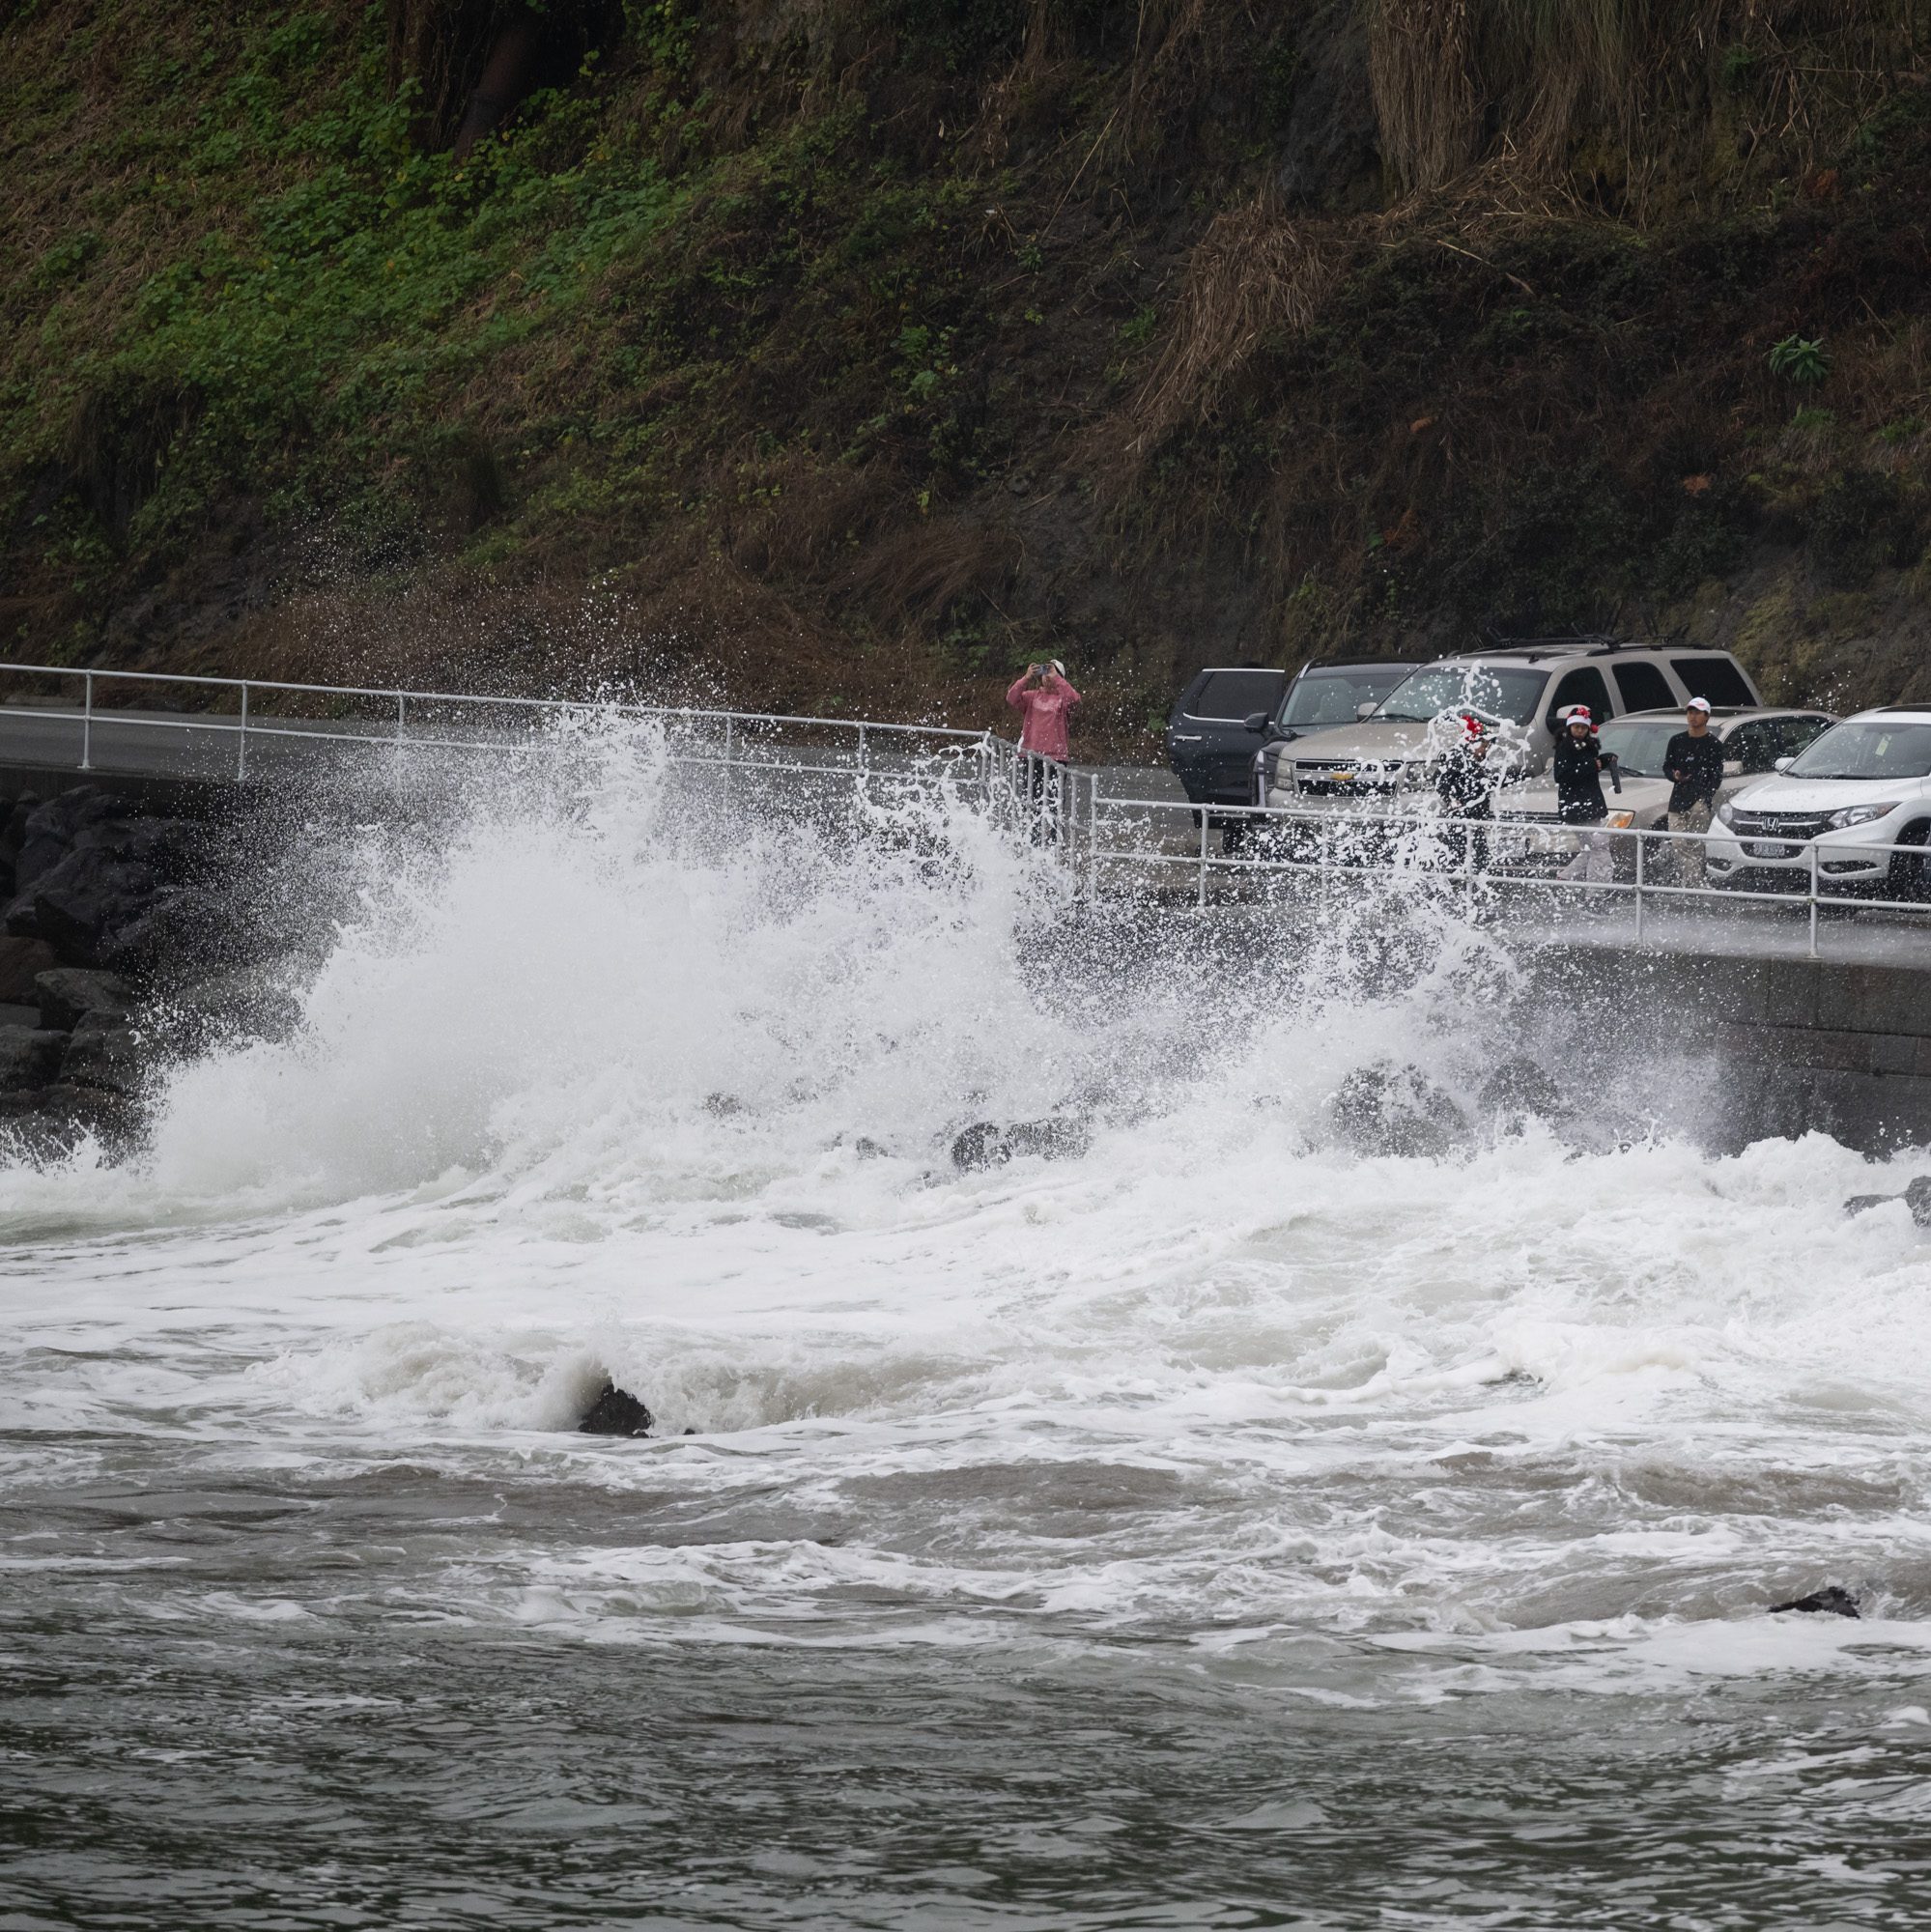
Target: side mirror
1784, 764
1733, 768
1255, 721
1365, 711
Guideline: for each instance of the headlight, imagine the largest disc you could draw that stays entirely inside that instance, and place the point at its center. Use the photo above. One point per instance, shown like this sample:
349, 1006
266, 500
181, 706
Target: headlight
1859, 814
1727, 813
1621, 821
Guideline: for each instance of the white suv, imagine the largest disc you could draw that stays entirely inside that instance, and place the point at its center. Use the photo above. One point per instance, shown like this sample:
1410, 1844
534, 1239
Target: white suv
1523, 687
1861, 787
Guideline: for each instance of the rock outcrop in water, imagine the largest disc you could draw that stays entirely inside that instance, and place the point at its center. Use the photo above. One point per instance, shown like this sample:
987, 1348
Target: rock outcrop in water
615, 1413
1829, 1602
1917, 1197
1522, 1089
988, 1144
1386, 1109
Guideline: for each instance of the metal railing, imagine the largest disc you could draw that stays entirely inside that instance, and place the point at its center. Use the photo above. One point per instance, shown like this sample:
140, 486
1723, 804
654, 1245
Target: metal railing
1117, 842
714, 737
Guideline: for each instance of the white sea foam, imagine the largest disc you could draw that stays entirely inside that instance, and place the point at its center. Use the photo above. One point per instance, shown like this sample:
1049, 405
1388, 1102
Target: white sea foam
592, 1088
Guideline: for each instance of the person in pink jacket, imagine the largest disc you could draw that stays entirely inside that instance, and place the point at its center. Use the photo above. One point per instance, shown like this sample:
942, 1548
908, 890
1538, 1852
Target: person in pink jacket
1045, 696
1046, 699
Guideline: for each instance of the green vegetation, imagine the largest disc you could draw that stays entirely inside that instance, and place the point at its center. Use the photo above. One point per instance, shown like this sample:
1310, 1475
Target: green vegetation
1800, 360
864, 351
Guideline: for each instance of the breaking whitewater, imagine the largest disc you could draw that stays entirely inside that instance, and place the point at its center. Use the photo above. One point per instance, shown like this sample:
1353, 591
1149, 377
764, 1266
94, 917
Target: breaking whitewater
1200, 1518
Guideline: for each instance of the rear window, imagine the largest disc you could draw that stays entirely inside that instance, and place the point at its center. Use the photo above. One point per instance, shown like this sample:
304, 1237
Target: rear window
1335, 696
1581, 686
1716, 678
1237, 694
1644, 688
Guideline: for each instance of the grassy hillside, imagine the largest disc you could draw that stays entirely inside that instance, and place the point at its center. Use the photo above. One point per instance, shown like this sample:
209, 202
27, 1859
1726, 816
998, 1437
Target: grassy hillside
851, 352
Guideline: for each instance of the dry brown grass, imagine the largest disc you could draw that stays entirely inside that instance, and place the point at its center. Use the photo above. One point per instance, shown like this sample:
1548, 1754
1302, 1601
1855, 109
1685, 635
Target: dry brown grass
1252, 272
1457, 80
1425, 96
913, 574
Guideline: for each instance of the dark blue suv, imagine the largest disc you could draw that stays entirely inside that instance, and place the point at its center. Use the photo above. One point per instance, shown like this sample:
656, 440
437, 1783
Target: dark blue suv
1227, 717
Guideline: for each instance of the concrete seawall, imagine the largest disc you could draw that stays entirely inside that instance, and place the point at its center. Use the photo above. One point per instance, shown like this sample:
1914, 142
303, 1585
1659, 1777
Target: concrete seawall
1841, 1047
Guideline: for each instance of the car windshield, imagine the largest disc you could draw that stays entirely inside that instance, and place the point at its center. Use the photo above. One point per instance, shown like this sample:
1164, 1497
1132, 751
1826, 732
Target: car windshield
1639, 747
1336, 696
1503, 691
1868, 751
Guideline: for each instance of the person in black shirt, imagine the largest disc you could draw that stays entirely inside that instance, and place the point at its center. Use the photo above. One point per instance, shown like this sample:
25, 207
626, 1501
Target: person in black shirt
1693, 765
1466, 788
1578, 764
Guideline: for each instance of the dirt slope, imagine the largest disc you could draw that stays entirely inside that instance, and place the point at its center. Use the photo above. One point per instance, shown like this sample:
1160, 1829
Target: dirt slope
848, 353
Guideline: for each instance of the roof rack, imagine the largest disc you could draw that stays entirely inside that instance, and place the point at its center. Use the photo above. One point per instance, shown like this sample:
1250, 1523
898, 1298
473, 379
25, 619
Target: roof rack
1593, 646
1365, 658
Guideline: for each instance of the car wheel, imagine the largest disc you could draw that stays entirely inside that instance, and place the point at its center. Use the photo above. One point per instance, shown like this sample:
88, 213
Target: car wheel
1911, 872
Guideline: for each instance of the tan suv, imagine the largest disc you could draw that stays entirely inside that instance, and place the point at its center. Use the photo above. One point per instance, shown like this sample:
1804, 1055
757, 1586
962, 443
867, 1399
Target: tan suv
1523, 688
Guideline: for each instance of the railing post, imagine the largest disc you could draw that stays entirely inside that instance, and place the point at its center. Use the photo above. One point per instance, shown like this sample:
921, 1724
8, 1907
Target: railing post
1813, 899
1092, 838
400, 701
864, 754
1203, 859
241, 744
1640, 842
87, 725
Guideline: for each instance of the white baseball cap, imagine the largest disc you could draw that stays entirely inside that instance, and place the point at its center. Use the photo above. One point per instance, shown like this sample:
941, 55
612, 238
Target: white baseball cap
1698, 704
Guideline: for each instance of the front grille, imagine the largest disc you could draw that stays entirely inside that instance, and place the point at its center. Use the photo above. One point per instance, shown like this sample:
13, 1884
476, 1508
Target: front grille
1778, 824
1532, 818
1326, 777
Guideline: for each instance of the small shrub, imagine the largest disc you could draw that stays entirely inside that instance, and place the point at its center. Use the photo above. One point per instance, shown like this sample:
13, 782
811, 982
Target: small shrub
1801, 360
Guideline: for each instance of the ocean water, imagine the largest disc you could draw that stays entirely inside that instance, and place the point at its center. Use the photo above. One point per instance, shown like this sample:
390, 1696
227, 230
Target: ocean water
1223, 1527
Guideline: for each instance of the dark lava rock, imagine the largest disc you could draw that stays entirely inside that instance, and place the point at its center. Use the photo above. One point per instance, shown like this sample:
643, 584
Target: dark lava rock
29, 1057
1917, 1197
615, 1412
1831, 1602
91, 867
48, 1122
1521, 1088
104, 1053
979, 1147
1050, 1140
178, 928
1386, 1109
22, 961
69, 994
251, 1001
986, 1144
